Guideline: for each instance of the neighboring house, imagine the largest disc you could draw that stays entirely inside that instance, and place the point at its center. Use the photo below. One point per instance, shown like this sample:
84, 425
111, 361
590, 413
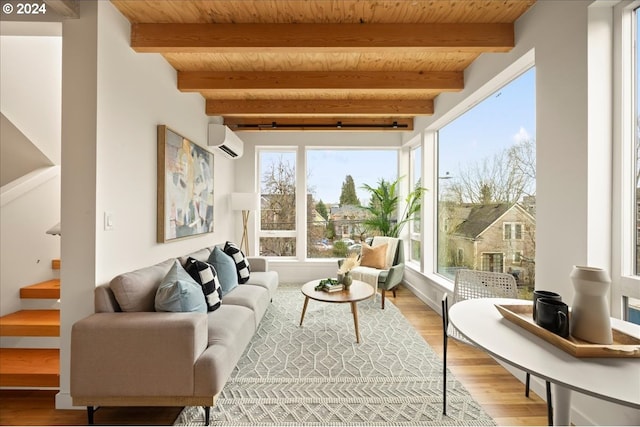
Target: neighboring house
348, 221
493, 237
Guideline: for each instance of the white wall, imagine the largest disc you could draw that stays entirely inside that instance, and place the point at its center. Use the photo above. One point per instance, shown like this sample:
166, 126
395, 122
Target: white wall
31, 70
113, 99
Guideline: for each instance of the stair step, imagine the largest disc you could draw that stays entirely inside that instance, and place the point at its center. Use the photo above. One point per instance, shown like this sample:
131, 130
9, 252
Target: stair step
55, 264
49, 289
29, 367
31, 323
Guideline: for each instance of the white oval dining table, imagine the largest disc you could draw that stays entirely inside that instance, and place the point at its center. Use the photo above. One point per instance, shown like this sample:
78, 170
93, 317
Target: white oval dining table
614, 379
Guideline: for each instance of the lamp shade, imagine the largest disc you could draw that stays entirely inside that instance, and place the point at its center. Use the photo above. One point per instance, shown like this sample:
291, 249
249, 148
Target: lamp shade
244, 201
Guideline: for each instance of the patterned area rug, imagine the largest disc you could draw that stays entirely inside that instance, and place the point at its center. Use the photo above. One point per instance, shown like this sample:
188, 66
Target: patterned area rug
317, 375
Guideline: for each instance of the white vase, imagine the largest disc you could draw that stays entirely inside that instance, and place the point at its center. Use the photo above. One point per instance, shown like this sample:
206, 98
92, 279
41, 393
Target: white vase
590, 319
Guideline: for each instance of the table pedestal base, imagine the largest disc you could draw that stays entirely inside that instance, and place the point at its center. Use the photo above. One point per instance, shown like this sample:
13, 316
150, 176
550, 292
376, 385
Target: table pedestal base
561, 405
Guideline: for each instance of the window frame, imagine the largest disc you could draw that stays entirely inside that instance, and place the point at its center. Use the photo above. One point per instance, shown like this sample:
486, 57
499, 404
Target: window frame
513, 230
520, 67
260, 233
416, 154
626, 281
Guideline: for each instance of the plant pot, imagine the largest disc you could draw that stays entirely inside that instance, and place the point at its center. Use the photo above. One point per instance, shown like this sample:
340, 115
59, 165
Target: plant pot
347, 280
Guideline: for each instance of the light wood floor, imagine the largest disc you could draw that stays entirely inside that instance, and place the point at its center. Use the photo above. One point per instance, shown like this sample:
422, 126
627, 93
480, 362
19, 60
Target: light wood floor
500, 394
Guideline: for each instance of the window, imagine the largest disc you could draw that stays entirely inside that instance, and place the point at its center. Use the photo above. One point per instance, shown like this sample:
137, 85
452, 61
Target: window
416, 180
626, 271
512, 231
337, 200
486, 184
277, 202
493, 262
517, 257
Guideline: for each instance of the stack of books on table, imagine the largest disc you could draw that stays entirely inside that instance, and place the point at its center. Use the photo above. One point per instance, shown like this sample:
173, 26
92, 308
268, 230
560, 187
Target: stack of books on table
333, 288
329, 285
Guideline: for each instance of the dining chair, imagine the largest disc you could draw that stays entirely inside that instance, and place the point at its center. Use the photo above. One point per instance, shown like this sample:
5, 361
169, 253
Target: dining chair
470, 284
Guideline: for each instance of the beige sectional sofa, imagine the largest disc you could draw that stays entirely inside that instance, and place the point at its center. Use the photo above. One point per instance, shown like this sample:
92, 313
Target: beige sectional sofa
127, 354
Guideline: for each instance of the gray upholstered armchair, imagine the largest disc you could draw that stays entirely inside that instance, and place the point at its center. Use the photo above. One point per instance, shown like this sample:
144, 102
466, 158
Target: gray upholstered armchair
387, 279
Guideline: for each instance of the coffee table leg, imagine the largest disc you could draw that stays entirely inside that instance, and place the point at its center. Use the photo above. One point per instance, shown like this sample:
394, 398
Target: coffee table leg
354, 310
304, 309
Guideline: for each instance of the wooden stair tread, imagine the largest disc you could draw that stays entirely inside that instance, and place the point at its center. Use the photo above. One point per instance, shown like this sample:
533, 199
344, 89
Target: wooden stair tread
29, 367
55, 264
31, 323
49, 289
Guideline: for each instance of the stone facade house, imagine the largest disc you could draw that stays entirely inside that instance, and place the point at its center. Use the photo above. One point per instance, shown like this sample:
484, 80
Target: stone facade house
490, 237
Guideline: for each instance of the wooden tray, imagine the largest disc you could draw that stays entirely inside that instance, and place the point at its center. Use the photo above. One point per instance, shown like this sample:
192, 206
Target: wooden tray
624, 345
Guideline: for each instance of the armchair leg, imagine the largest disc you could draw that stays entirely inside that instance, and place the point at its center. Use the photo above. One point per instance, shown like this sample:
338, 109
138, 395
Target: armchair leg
394, 291
207, 413
383, 292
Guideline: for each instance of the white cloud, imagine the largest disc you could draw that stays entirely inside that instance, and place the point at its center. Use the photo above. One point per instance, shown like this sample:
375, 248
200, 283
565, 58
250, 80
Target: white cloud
522, 135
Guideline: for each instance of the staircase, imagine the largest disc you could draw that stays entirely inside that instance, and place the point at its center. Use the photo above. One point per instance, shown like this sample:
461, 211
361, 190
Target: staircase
32, 367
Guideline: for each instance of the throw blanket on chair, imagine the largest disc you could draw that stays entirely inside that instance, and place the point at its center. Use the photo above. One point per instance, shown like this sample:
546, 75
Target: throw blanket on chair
370, 275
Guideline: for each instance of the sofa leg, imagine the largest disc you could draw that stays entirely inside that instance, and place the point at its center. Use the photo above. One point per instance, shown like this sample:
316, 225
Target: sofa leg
207, 413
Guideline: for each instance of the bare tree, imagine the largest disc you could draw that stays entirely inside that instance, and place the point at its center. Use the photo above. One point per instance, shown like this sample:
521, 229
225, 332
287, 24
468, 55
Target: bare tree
505, 178
278, 209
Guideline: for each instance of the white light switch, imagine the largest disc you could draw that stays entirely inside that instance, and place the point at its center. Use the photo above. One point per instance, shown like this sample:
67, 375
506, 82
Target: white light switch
108, 221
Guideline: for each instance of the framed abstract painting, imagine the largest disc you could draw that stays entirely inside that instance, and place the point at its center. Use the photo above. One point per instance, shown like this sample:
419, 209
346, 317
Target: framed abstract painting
185, 187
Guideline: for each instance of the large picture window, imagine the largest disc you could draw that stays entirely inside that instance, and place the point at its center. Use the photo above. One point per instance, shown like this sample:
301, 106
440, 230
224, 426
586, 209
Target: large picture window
337, 201
487, 185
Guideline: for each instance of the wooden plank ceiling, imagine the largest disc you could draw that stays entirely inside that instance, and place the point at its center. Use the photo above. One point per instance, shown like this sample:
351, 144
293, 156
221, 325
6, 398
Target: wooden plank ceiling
325, 64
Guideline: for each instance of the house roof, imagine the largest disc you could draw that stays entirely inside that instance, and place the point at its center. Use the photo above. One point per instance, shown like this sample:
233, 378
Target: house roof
477, 218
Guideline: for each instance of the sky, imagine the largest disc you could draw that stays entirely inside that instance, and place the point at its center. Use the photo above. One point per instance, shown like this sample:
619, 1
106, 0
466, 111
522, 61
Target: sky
496, 123
501, 120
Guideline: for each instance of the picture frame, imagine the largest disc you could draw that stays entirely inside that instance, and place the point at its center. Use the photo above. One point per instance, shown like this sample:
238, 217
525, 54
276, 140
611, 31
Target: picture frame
185, 187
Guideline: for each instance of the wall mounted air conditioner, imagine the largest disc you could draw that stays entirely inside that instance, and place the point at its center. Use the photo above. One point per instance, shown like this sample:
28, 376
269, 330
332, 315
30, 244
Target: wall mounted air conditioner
228, 142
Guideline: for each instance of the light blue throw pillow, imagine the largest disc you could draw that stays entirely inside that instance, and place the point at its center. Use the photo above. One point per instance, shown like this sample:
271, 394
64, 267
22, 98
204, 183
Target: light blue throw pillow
178, 292
226, 269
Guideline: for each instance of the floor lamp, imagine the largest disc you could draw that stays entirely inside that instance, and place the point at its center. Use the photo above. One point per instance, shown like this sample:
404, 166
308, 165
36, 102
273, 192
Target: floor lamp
245, 202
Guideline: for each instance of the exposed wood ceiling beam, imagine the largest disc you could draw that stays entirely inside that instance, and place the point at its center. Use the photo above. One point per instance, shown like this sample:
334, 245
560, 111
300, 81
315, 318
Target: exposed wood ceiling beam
248, 124
65, 8
372, 81
335, 107
168, 38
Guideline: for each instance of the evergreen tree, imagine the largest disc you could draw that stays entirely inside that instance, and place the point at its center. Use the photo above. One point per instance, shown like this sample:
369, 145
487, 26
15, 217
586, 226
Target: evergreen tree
321, 208
348, 195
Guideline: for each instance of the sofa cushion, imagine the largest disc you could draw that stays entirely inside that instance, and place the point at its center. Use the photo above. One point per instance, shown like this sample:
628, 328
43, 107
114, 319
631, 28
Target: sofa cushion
374, 257
206, 276
226, 269
136, 290
242, 264
266, 279
256, 298
178, 292
201, 255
